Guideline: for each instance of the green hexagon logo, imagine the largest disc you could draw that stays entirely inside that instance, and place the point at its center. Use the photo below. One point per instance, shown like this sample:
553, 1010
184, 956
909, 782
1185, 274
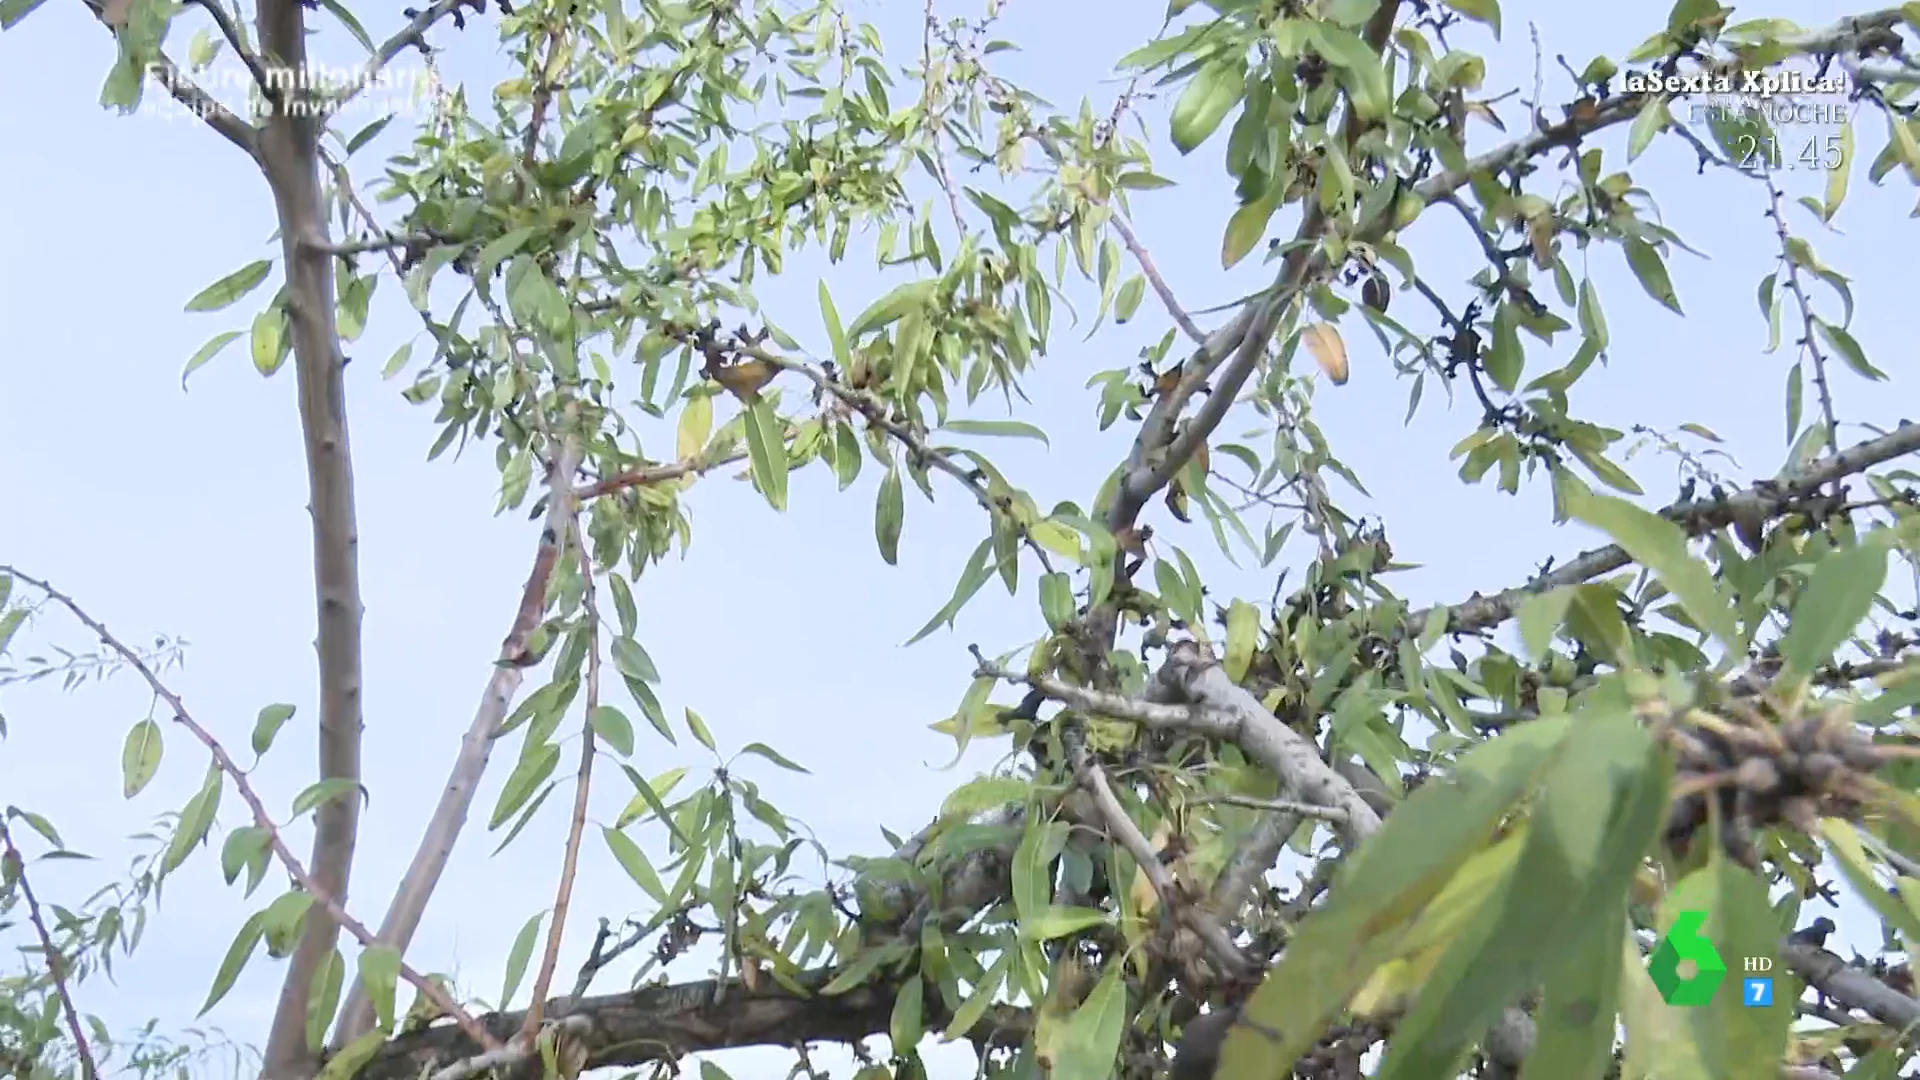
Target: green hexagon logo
1685, 942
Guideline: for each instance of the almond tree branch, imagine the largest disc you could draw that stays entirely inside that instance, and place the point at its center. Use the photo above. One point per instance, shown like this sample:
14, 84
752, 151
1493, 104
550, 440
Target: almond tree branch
1763, 500
570, 862
666, 1023
290, 158
1121, 827
411, 36
16, 874
1209, 704
409, 902
308, 882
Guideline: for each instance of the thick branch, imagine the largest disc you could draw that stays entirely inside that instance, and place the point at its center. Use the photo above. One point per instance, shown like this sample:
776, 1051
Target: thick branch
667, 1022
409, 902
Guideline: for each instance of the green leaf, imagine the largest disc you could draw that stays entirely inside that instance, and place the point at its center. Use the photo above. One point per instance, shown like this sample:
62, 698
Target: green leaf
380, 973
1598, 810
1839, 594
1652, 272
835, 333
1012, 429
323, 998
139, 758
634, 862
891, 307
518, 956
1837, 178
1481, 11
633, 661
699, 729
1574, 1025
229, 289
1381, 888
1243, 634
889, 511
1849, 350
207, 352
1212, 93
767, 452
1506, 359
195, 819
1245, 228
12, 11
613, 727
759, 749
1540, 616
244, 847
1058, 921
1056, 600
1128, 301
268, 724
906, 1026
324, 791
1653, 119
1844, 840
236, 959
1092, 1037
534, 767
347, 1063
1361, 73
1661, 546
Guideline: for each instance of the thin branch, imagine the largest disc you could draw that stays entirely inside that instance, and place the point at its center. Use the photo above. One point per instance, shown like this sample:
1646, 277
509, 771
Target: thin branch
411, 36
16, 869
876, 414
648, 475
1121, 827
1283, 806
1154, 278
570, 861
275, 842
409, 902
1810, 340
1205, 702
221, 119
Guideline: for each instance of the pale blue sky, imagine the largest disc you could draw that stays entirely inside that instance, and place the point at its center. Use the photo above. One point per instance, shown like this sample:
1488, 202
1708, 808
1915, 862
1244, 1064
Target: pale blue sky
185, 512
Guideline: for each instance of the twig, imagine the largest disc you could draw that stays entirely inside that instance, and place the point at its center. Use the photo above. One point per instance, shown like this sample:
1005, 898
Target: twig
1121, 827
570, 862
56, 962
275, 842
221, 119
1152, 273
1284, 806
413, 35
935, 118
648, 475
1810, 341
600, 955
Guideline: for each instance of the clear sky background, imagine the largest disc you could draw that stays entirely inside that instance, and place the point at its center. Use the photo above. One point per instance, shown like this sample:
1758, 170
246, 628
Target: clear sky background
184, 512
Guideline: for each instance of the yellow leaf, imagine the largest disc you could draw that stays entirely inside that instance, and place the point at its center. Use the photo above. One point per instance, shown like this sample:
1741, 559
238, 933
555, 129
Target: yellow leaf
1145, 900
696, 423
1323, 341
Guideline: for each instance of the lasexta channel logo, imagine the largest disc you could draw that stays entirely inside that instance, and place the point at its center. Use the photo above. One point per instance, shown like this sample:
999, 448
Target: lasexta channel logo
1686, 943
